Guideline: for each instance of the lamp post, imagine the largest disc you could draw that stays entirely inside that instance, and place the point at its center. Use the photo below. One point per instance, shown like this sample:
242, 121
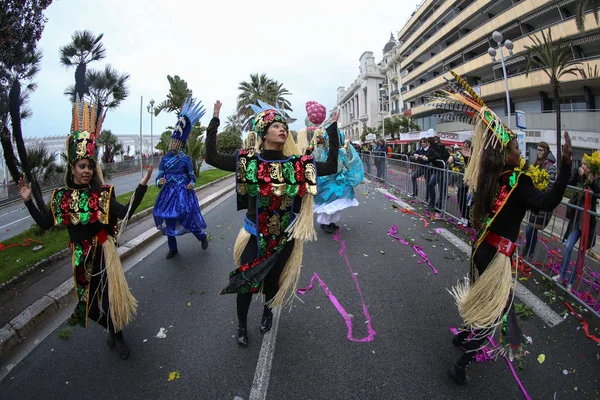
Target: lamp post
497, 37
150, 108
382, 93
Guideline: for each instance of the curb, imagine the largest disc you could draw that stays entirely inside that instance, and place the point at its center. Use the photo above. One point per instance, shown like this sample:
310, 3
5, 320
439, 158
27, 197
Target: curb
19, 327
66, 251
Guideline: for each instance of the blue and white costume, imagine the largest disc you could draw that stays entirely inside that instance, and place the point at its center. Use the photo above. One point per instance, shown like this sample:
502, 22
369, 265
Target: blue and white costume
336, 192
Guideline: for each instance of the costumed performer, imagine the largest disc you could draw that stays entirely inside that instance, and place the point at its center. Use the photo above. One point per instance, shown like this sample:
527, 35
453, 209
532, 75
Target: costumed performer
177, 211
502, 194
276, 186
89, 211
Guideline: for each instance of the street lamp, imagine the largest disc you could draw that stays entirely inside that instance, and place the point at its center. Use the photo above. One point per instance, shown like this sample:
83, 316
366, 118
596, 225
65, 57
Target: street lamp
150, 108
497, 37
382, 92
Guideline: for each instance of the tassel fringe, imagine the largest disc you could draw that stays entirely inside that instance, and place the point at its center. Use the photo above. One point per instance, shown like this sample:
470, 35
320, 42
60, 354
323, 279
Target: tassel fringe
288, 281
481, 305
303, 227
240, 244
123, 306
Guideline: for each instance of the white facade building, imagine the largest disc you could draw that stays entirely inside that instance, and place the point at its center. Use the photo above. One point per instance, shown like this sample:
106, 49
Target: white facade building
359, 104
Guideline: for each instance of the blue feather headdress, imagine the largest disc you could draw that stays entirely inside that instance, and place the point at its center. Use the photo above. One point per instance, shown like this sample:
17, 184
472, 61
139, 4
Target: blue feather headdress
191, 112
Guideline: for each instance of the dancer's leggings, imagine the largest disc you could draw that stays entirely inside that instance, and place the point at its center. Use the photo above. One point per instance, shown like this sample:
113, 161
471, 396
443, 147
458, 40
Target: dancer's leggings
482, 258
98, 304
270, 283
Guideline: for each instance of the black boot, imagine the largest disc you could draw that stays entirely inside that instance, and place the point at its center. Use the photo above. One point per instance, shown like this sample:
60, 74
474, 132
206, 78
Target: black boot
242, 336
122, 347
459, 374
111, 341
459, 339
267, 321
204, 242
334, 226
171, 254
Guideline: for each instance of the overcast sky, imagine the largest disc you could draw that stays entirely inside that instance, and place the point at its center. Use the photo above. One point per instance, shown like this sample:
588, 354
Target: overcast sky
311, 46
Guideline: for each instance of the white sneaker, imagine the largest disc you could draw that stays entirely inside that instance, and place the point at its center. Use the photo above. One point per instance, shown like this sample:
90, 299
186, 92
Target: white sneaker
464, 221
556, 278
569, 287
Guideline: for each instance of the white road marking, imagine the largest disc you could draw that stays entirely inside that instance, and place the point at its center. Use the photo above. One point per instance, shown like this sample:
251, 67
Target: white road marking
262, 374
397, 200
14, 222
542, 310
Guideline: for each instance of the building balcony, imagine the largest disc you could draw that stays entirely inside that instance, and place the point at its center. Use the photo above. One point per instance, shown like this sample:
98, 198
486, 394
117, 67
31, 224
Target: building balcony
482, 32
395, 111
562, 30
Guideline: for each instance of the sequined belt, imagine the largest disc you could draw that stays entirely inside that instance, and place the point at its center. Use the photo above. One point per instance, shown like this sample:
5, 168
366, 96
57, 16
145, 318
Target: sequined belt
250, 226
503, 245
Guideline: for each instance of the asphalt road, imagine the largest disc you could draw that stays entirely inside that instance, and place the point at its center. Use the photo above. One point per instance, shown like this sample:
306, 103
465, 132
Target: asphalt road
15, 218
404, 356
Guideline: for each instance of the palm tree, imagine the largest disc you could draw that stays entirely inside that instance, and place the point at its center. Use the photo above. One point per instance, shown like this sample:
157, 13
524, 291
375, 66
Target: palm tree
195, 147
111, 146
580, 9
407, 125
260, 87
17, 98
83, 49
178, 92
163, 143
42, 162
554, 58
234, 123
107, 89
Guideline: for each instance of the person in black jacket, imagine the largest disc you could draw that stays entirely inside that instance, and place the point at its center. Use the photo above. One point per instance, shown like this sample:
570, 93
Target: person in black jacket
431, 158
438, 176
419, 171
276, 186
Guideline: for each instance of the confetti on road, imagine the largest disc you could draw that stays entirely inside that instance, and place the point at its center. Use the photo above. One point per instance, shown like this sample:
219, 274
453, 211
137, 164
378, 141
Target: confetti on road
174, 375
541, 358
162, 333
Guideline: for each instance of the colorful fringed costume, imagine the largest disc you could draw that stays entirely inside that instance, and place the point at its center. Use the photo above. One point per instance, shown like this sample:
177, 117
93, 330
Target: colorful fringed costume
277, 189
176, 211
90, 214
485, 301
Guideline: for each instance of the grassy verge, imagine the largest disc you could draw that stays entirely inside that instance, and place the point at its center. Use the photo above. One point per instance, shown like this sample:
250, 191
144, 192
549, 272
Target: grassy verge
15, 259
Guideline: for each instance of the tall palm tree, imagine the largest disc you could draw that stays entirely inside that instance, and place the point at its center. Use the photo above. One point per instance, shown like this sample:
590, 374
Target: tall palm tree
260, 87
83, 49
18, 96
178, 92
581, 7
555, 59
107, 88
195, 147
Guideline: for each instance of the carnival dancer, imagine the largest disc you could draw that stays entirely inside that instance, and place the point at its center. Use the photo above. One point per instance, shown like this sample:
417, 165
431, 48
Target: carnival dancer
89, 211
276, 186
336, 191
502, 195
176, 211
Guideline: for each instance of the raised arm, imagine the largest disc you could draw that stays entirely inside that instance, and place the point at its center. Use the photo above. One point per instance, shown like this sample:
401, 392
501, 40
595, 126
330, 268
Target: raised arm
329, 166
44, 220
225, 162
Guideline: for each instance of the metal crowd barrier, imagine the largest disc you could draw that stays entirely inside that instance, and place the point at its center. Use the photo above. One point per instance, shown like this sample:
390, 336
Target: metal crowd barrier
451, 201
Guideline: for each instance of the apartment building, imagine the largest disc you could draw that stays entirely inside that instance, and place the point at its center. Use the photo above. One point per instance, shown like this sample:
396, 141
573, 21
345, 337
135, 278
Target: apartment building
456, 34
